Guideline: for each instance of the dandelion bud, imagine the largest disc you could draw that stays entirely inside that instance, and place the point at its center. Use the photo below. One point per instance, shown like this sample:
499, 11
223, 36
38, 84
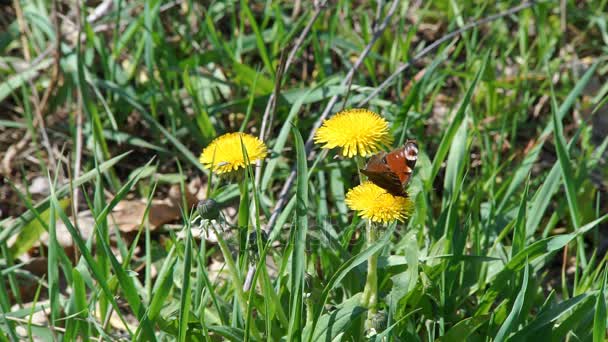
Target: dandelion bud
208, 209
378, 321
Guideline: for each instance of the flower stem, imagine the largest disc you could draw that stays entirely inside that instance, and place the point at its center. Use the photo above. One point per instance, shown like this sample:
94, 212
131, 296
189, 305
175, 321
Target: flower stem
360, 165
370, 292
243, 225
232, 269
369, 299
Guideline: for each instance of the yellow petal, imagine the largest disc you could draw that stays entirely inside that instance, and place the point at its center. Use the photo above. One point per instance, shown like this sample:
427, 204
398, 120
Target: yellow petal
356, 131
225, 153
376, 204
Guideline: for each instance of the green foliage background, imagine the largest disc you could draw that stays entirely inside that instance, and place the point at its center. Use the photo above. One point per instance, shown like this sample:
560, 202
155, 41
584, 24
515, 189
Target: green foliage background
507, 241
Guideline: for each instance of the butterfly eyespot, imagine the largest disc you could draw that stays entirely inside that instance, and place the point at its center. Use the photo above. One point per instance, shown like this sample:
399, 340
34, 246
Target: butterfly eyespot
411, 151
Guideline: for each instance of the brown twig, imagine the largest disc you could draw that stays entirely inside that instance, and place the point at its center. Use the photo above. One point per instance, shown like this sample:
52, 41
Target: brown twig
56, 59
39, 122
269, 113
101, 10
27, 322
271, 104
22, 29
272, 100
304, 34
12, 152
285, 64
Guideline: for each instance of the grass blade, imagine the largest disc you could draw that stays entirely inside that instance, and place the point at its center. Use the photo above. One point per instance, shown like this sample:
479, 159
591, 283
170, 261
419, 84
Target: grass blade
545, 318
184, 309
344, 269
446, 140
519, 231
298, 258
515, 314
568, 177
599, 319
62, 191
528, 162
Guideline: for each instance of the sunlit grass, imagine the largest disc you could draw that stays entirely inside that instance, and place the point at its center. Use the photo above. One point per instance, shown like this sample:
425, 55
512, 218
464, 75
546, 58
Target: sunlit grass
505, 240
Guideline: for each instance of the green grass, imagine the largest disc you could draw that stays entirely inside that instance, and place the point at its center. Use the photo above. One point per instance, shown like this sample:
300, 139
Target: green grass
507, 240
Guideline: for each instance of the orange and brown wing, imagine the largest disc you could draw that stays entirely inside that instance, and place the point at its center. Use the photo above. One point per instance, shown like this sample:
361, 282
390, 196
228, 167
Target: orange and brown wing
402, 161
378, 171
400, 168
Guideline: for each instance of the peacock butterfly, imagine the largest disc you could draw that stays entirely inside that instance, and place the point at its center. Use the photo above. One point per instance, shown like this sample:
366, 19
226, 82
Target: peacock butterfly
393, 170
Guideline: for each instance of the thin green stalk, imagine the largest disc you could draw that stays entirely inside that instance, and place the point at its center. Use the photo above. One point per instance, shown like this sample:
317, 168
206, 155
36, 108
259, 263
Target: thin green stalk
369, 299
360, 165
232, 269
370, 292
243, 221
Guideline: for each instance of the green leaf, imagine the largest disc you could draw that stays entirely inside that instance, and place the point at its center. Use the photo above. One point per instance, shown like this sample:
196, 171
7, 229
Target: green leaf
78, 309
344, 269
533, 251
457, 159
125, 281
53, 262
32, 231
519, 231
515, 314
547, 317
573, 319
405, 282
18, 80
528, 162
567, 170
543, 195
88, 257
245, 76
298, 258
455, 122
29, 215
258, 36
542, 199
463, 329
162, 286
227, 332
333, 324
184, 308
599, 319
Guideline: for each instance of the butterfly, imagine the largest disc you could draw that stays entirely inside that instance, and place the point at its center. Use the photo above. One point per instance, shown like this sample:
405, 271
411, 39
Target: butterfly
392, 171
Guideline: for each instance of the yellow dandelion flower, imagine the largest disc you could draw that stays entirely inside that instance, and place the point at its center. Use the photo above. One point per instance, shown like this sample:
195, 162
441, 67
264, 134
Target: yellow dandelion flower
376, 204
225, 154
357, 131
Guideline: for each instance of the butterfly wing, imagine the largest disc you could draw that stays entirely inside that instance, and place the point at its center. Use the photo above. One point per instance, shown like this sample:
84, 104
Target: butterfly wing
380, 174
400, 169
402, 162
386, 180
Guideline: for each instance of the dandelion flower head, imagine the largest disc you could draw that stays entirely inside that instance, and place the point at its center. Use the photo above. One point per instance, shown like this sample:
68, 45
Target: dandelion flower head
376, 204
356, 131
225, 153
